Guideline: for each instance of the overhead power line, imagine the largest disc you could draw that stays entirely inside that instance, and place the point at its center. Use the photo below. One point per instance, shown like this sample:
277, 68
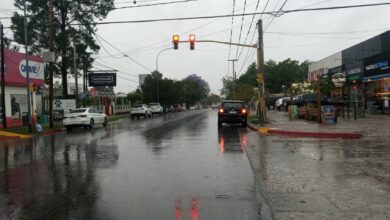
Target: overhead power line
155, 4
231, 31
242, 23
273, 13
124, 54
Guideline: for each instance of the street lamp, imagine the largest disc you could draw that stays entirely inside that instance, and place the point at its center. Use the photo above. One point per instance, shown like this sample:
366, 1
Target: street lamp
158, 55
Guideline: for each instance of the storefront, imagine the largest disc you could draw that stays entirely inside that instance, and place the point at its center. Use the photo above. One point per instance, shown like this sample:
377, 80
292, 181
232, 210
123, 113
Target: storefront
377, 81
16, 88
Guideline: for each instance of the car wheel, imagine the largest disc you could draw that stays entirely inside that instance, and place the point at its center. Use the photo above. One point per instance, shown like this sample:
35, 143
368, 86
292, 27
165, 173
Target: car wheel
132, 117
105, 122
92, 124
244, 124
68, 128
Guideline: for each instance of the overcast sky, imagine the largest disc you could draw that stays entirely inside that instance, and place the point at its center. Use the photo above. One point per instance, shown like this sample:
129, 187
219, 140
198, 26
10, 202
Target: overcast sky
143, 41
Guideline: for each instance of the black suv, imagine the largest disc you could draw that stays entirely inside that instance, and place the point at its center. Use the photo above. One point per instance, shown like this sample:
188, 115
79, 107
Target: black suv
232, 112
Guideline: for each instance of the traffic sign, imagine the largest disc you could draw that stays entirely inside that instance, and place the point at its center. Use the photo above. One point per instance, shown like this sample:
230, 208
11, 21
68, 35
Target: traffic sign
260, 78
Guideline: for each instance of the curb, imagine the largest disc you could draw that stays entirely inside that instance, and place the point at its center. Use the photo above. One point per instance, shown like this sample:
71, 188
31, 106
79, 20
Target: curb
345, 135
52, 132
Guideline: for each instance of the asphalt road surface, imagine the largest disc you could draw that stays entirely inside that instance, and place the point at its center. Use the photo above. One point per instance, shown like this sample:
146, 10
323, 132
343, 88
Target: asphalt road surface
177, 166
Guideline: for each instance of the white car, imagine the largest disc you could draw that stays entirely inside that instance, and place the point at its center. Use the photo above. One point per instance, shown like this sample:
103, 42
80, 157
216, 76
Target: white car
279, 103
87, 117
140, 110
156, 108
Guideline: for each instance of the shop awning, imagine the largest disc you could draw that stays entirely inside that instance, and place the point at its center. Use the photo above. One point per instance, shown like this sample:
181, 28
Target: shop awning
376, 77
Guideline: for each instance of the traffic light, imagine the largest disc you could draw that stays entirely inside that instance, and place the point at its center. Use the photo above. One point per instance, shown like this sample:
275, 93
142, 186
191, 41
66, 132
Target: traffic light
192, 41
33, 87
175, 41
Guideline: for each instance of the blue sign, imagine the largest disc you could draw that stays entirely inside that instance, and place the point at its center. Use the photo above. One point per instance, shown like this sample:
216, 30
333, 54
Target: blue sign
329, 114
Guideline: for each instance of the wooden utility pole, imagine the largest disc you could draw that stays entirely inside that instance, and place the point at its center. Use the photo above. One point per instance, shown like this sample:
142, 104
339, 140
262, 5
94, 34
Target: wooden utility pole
234, 77
319, 99
51, 47
260, 73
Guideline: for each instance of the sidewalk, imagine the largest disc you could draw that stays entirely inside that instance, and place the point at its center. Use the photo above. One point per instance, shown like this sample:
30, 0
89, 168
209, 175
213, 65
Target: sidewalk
370, 126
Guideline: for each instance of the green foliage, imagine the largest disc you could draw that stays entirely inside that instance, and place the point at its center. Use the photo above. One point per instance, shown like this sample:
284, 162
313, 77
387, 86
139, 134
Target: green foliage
189, 90
212, 98
135, 97
276, 75
66, 13
284, 73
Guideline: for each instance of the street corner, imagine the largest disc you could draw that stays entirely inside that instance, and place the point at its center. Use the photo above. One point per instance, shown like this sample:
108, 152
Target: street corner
10, 135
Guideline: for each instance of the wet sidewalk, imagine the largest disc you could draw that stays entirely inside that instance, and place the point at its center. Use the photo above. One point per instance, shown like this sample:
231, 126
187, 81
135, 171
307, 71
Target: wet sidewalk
372, 126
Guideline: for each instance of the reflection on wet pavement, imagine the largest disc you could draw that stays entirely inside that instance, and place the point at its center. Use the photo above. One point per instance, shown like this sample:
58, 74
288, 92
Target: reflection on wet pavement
163, 168
303, 178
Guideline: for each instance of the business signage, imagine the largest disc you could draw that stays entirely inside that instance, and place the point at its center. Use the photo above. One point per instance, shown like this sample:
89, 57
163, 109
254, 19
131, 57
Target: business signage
102, 79
16, 71
35, 69
377, 65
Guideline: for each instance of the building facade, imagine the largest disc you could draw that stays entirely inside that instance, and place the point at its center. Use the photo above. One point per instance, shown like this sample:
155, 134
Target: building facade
367, 72
16, 88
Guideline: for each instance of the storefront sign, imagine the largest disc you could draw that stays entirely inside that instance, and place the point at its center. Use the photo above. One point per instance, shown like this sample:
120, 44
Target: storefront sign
329, 114
102, 79
339, 79
35, 69
17, 69
376, 65
381, 65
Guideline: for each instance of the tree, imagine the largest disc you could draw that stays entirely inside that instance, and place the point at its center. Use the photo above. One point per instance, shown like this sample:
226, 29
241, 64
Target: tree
73, 22
213, 99
195, 89
135, 97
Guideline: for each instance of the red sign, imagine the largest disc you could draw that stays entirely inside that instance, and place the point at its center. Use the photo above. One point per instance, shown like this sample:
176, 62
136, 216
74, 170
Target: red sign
16, 68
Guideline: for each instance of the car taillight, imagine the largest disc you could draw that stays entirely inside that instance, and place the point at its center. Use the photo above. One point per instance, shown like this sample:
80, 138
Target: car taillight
221, 110
243, 111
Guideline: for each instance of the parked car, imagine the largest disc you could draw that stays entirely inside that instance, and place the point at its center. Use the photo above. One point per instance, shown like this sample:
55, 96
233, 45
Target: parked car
140, 110
232, 112
177, 108
87, 117
279, 103
270, 102
156, 108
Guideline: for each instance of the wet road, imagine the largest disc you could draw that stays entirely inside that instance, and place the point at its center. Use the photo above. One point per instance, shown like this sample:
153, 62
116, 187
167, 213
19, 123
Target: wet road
179, 166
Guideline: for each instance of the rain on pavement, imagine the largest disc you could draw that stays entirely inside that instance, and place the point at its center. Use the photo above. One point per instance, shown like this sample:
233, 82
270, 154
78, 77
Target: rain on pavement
181, 166
172, 167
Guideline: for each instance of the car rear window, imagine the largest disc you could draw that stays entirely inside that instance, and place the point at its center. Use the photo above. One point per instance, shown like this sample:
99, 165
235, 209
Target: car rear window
137, 106
80, 110
232, 105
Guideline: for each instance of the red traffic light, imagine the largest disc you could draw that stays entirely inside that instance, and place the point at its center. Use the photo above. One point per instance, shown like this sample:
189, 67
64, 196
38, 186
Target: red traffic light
192, 38
192, 41
175, 41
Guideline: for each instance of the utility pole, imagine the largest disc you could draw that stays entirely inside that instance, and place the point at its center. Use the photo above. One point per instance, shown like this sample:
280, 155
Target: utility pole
4, 122
319, 99
76, 93
260, 73
27, 69
234, 77
51, 47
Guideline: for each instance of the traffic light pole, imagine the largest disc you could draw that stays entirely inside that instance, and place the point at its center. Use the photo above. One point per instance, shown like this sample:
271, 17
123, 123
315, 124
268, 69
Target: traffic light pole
260, 66
27, 69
